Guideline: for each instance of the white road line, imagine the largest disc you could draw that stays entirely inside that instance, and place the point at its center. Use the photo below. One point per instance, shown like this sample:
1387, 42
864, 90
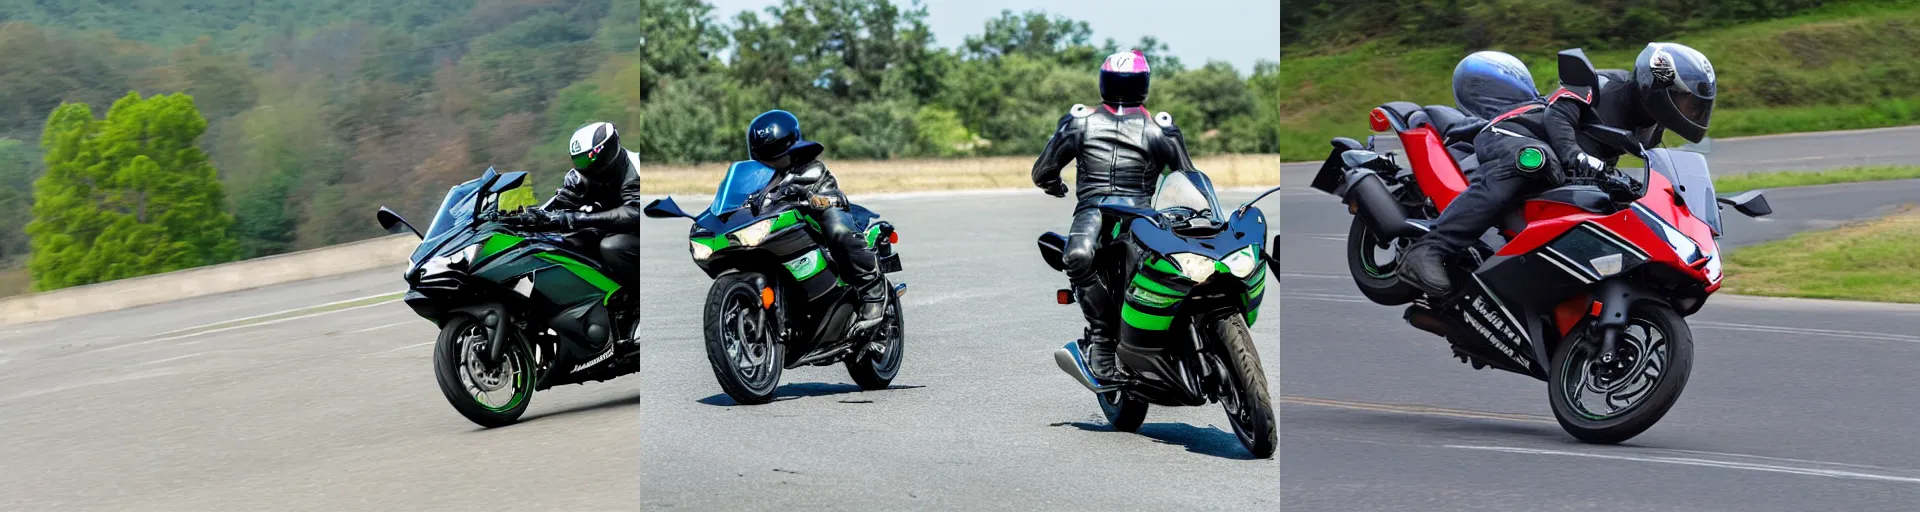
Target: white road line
1285, 295
269, 322
1811, 332
379, 327
174, 358
1805, 470
281, 312
1314, 275
416, 345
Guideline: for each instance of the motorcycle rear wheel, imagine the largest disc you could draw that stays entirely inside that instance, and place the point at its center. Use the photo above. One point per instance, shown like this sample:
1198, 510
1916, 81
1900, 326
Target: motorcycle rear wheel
1248, 405
1656, 344
876, 372
747, 358
1380, 282
461, 340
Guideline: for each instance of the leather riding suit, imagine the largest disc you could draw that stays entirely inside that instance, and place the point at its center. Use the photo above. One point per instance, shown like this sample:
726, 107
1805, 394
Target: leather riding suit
613, 222
1119, 154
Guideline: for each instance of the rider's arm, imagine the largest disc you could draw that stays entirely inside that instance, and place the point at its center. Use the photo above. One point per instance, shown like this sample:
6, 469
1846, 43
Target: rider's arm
624, 218
1562, 123
1060, 149
571, 193
826, 185
1173, 145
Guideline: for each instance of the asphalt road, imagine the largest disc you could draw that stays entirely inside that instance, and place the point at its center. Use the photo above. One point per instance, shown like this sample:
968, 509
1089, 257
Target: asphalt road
1792, 405
336, 409
980, 419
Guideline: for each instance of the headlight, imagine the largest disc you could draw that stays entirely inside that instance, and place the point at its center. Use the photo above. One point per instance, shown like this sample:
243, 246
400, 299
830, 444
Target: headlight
1682, 245
701, 251
1194, 267
1713, 267
754, 233
1243, 261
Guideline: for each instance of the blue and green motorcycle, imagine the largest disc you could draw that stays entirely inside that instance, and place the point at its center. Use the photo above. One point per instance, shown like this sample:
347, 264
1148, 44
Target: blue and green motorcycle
1188, 283
518, 312
775, 302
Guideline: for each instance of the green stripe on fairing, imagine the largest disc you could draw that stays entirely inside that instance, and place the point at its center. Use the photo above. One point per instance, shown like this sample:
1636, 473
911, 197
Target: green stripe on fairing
1162, 265
1144, 321
1151, 299
812, 260
873, 235
1251, 315
593, 277
1150, 285
498, 243
786, 218
1257, 289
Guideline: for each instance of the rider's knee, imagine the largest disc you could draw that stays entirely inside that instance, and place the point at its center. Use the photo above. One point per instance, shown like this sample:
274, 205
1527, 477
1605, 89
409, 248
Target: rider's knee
1078, 256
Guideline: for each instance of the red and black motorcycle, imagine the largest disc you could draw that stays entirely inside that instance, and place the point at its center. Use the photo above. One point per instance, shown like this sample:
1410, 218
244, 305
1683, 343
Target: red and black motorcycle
1586, 287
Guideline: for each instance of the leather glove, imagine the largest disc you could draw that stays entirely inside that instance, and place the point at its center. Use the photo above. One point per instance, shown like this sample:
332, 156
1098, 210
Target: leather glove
1587, 166
536, 219
1055, 188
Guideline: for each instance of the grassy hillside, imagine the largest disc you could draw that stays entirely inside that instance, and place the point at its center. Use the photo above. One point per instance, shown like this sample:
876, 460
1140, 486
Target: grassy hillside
1854, 65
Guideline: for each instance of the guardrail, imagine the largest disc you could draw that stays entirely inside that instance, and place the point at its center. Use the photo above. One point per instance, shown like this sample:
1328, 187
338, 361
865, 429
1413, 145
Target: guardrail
134, 292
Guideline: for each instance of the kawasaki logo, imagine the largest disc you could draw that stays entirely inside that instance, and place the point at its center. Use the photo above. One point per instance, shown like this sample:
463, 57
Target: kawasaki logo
1505, 340
596, 360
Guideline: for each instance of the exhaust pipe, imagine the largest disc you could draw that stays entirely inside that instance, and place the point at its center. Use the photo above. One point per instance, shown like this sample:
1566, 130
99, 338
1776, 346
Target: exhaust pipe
1376, 206
1070, 361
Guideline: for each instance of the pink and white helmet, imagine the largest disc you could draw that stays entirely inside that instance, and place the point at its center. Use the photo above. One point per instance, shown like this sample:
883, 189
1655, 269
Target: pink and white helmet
1124, 79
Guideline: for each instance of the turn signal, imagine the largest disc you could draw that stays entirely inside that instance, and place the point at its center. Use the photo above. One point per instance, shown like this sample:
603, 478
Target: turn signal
1063, 296
893, 237
1596, 309
766, 298
1378, 120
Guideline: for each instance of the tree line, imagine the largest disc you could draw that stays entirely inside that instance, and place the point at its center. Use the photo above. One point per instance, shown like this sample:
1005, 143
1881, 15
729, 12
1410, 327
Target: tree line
868, 80
1333, 25
115, 117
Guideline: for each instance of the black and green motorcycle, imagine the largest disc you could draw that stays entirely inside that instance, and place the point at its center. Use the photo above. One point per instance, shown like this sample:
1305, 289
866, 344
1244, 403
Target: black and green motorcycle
518, 312
1187, 278
776, 302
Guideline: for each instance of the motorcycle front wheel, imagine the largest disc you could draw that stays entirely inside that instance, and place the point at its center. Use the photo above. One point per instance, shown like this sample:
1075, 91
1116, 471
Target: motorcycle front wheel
1248, 405
746, 356
489, 395
1607, 403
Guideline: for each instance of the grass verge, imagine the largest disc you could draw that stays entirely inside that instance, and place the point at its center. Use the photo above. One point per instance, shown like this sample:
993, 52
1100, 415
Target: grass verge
1876, 260
1763, 180
886, 176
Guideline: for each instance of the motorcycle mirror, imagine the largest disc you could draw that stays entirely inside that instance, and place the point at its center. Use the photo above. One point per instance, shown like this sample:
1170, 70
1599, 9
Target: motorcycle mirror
389, 219
1622, 139
481, 193
1752, 203
1273, 257
509, 181
1256, 199
1576, 70
664, 208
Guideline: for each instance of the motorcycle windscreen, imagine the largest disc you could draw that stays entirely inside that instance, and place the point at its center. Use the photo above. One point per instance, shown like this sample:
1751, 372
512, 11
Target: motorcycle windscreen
1688, 172
1185, 194
743, 179
455, 210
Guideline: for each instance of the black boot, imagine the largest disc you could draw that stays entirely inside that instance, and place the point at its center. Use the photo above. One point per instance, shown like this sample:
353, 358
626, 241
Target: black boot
873, 305
1102, 360
1424, 266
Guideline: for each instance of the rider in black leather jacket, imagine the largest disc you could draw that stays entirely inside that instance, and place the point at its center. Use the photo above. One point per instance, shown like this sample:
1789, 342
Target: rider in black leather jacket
1539, 146
1120, 152
598, 204
774, 139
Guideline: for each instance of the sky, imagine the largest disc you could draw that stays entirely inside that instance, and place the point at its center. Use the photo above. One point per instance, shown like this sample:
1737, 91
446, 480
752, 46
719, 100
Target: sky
1241, 32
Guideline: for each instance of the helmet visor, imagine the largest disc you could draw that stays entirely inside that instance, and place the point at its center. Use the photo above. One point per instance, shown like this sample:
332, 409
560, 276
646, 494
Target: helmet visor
1695, 109
585, 160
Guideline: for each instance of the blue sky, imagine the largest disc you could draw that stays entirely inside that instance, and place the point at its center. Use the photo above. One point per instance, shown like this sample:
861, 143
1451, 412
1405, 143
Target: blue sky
1241, 32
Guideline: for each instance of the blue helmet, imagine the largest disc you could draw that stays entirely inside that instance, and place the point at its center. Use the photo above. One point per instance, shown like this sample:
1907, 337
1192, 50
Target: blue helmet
776, 134
1489, 83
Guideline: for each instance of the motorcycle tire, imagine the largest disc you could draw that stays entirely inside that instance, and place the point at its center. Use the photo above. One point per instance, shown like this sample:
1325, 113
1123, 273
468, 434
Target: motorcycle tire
731, 297
876, 373
1382, 286
448, 369
1640, 416
1251, 409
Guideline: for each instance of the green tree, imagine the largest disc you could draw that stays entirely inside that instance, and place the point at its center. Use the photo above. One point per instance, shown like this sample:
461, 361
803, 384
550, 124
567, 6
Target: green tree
127, 195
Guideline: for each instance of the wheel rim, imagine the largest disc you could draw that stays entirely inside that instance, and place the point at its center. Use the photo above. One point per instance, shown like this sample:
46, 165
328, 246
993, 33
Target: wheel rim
886, 364
1600, 391
486, 384
748, 344
1376, 253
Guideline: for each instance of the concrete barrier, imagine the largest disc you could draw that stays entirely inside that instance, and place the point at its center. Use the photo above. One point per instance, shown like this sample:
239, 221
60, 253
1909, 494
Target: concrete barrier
210, 280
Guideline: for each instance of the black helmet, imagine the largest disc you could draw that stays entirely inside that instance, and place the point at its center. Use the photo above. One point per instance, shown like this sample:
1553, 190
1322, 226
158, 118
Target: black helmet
776, 134
595, 147
1676, 88
1124, 79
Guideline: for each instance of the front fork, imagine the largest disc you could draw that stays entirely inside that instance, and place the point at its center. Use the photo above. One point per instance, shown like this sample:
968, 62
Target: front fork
1615, 297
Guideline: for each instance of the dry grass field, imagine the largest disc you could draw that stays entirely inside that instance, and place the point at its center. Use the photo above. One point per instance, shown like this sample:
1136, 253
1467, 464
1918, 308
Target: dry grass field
886, 176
